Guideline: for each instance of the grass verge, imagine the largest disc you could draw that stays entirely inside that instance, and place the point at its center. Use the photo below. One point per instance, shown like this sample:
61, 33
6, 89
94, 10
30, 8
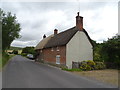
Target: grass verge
71, 69
0, 63
5, 59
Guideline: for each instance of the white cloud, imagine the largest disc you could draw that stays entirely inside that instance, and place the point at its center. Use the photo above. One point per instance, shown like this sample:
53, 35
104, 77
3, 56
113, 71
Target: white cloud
36, 19
102, 23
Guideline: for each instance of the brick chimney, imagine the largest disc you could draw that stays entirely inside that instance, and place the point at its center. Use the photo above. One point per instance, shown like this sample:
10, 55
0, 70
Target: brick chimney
79, 22
55, 32
44, 36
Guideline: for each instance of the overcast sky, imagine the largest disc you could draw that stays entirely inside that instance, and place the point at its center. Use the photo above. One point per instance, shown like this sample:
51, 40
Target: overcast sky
39, 18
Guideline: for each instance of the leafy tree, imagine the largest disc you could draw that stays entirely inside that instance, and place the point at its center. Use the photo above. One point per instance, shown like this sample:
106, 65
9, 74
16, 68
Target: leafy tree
111, 50
10, 29
96, 51
28, 50
0, 32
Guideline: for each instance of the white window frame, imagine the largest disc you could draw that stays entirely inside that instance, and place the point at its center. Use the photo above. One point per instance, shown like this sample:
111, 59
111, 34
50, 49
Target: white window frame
57, 49
41, 50
57, 59
52, 49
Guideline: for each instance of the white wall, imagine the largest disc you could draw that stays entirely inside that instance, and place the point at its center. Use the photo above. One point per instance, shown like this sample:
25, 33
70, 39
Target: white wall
78, 49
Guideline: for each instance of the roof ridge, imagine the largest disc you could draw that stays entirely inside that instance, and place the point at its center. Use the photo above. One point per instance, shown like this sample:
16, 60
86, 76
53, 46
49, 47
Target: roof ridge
62, 38
67, 30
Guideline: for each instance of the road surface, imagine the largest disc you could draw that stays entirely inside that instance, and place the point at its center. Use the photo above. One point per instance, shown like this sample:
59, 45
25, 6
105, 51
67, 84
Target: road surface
21, 72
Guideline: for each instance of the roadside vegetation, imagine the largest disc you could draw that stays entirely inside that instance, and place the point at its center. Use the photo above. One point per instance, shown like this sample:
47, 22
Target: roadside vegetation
10, 32
106, 63
108, 52
87, 65
15, 48
0, 61
5, 58
28, 50
106, 56
71, 70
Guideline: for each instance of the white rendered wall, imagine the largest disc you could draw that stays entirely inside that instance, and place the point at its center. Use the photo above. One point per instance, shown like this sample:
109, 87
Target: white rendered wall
78, 48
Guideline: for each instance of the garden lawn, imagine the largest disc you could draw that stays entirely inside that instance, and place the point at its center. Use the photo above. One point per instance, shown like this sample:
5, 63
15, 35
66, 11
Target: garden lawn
109, 76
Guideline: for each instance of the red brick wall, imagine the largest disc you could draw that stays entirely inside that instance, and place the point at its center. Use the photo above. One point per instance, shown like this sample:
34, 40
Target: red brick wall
40, 57
50, 56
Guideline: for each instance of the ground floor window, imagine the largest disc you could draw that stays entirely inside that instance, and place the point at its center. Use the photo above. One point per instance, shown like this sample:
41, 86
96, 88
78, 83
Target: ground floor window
57, 59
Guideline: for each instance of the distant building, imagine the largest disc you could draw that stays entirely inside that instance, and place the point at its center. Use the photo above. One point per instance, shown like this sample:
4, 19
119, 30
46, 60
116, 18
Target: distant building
72, 45
11, 51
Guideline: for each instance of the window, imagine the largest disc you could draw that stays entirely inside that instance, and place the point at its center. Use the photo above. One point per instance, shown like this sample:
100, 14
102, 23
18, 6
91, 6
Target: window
57, 49
57, 59
41, 50
52, 49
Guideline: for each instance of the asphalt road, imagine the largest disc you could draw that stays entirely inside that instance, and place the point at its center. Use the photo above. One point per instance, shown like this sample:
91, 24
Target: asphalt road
24, 73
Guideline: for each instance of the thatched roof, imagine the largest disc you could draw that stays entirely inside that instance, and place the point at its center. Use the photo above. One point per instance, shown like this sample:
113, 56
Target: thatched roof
43, 42
60, 39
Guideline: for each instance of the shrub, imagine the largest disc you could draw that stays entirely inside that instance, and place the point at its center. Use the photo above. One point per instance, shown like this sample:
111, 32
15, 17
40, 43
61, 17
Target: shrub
91, 64
24, 54
100, 65
85, 67
88, 68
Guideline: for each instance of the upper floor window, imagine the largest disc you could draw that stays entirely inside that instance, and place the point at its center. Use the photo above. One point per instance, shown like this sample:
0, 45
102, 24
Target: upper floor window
52, 49
57, 49
41, 50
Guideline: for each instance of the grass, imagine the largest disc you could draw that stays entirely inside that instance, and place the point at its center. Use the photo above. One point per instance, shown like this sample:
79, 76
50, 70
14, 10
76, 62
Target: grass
0, 61
5, 59
71, 69
109, 76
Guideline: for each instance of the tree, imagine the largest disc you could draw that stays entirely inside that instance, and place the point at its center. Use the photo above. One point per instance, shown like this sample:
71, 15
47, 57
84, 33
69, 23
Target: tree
96, 51
0, 32
28, 50
111, 50
10, 29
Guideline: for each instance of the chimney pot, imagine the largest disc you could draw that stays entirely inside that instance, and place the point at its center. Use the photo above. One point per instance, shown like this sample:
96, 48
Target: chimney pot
44, 36
55, 31
79, 22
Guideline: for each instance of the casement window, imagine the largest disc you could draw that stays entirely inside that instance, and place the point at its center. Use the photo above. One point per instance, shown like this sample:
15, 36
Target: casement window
52, 49
41, 50
57, 49
57, 59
